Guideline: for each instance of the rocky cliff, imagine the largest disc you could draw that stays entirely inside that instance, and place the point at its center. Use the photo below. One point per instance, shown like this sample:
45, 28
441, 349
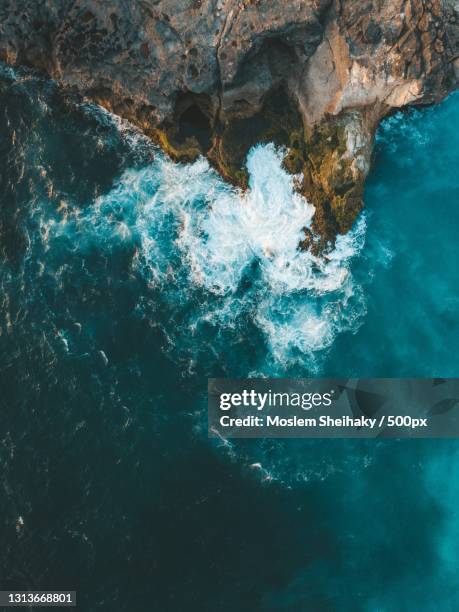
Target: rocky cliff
213, 77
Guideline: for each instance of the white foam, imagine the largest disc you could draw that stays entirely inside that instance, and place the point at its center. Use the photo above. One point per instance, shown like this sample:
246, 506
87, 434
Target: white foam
238, 250
222, 232
264, 225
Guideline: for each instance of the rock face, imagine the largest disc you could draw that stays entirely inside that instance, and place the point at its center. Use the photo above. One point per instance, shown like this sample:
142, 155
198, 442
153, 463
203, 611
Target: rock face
213, 77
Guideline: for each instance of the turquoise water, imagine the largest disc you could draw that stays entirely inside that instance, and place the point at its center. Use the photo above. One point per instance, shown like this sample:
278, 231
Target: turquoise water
410, 259
126, 281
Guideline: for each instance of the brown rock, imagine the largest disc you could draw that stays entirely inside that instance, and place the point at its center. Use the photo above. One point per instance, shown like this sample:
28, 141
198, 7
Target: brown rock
216, 76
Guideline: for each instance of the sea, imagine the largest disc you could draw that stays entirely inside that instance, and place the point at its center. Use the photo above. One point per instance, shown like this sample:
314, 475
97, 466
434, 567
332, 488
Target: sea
127, 280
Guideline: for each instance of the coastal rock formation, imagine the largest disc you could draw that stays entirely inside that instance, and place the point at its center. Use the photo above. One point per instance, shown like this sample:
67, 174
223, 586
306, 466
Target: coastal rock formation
213, 77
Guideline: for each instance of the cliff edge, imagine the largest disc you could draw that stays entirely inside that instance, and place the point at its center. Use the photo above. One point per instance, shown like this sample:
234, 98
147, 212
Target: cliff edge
213, 77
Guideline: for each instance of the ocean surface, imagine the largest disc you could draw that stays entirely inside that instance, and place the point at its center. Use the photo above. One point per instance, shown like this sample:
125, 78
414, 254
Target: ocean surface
126, 280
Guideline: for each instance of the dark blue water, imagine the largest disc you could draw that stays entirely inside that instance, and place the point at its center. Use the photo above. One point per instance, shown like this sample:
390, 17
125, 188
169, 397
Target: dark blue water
126, 281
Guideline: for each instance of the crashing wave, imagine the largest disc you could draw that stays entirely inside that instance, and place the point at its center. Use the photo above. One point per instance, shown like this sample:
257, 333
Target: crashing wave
224, 257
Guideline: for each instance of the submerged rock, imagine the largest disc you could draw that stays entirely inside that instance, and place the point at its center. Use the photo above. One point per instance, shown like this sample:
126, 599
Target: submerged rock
213, 77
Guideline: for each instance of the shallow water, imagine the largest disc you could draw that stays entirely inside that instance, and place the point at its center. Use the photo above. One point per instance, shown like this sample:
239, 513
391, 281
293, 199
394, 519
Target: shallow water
126, 281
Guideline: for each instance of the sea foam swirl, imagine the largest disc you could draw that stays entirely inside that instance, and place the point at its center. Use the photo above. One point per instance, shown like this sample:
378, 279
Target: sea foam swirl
225, 258
223, 265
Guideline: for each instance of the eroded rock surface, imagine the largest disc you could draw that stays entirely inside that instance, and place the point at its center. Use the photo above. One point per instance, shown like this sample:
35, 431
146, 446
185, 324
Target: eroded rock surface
213, 77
